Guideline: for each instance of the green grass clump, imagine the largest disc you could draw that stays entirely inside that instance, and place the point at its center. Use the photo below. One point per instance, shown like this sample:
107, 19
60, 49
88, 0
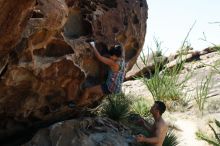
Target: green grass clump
141, 107
163, 82
202, 93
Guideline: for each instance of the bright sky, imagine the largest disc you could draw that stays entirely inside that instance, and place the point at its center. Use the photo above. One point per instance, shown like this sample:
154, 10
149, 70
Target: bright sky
170, 20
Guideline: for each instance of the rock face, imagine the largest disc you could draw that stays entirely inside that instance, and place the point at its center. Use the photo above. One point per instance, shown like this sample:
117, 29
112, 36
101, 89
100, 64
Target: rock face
45, 58
13, 19
83, 132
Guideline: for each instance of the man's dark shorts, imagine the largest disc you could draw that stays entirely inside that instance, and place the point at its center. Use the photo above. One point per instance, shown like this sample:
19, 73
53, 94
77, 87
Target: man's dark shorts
105, 89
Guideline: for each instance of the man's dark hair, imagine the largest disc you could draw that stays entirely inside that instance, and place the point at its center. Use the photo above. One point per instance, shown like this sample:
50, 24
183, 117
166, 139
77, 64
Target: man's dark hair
160, 106
116, 50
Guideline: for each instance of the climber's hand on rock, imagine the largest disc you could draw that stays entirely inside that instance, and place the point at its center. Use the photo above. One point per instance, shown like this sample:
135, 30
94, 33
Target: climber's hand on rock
92, 44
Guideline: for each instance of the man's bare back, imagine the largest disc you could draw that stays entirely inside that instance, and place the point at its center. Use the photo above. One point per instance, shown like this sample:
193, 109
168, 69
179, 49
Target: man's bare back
160, 131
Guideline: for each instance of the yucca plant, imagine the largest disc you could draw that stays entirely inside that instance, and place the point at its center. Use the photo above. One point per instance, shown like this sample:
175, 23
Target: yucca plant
170, 139
215, 140
163, 83
116, 106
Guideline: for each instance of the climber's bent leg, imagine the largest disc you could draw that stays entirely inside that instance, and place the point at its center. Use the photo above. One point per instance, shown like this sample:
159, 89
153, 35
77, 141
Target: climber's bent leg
86, 97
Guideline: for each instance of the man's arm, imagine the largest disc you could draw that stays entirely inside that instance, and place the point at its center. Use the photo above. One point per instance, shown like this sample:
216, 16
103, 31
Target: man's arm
145, 125
152, 140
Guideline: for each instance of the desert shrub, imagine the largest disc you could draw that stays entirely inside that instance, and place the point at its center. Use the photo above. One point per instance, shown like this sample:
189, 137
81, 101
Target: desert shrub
141, 107
163, 82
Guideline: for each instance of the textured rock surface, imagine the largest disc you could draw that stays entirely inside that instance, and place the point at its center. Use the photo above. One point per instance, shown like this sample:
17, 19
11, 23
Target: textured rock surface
82, 132
13, 19
45, 59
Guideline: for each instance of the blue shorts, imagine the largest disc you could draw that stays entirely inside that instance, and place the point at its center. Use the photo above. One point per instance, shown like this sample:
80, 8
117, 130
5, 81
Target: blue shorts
105, 89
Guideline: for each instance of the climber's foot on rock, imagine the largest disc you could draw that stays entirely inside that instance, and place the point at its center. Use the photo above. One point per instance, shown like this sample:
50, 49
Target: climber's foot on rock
71, 104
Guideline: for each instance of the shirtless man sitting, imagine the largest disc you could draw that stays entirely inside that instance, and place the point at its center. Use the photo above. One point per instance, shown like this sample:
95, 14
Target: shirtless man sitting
159, 128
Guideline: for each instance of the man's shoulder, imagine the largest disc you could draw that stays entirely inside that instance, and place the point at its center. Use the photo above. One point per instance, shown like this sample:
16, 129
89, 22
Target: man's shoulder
162, 123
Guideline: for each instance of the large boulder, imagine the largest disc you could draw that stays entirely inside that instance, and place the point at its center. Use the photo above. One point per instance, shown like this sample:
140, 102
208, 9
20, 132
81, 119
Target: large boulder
83, 132
45, 58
